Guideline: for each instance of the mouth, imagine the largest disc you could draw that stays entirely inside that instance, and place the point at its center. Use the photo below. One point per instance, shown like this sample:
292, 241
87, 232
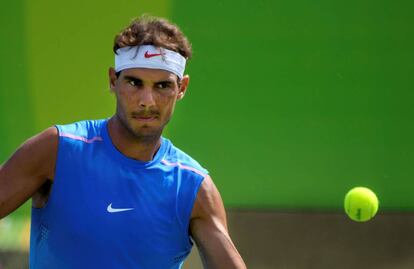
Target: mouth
144, 118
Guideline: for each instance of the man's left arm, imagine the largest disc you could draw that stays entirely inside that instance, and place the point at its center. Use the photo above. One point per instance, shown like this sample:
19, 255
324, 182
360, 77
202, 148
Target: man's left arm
208, 228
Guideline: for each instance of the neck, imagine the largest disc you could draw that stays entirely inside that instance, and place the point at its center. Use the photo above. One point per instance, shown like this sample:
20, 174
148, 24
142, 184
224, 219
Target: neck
132, 146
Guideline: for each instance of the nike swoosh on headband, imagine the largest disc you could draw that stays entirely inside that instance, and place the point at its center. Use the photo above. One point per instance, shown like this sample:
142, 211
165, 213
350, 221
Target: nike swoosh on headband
150, 55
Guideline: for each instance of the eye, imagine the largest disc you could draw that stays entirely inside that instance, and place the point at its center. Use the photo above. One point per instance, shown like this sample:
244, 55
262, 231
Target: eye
134, 83
163, 85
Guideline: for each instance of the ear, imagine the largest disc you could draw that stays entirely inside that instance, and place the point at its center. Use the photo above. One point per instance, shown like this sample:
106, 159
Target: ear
112, 78
183, 86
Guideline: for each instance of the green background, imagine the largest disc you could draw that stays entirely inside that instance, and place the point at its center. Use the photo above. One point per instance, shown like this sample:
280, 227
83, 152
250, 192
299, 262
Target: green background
291, 103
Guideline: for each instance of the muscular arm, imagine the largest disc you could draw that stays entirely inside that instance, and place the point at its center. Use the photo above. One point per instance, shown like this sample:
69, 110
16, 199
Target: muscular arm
27, 170
209, 229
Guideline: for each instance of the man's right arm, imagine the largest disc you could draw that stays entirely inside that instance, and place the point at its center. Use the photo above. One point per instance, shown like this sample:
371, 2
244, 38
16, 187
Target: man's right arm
27, 170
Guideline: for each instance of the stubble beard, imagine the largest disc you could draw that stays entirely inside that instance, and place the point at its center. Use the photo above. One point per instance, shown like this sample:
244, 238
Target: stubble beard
150, 137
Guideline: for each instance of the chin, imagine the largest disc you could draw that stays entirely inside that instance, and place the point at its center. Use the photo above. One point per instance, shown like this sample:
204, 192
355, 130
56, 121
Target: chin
147, 131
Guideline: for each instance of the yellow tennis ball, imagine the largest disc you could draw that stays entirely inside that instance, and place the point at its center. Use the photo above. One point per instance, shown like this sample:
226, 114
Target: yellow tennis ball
361, 204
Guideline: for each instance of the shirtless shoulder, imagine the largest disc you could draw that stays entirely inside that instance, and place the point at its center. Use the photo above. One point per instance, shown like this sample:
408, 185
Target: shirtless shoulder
48, 140
29, 172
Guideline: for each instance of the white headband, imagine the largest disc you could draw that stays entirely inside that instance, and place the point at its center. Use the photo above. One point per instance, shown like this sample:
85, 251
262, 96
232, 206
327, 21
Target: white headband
148, 56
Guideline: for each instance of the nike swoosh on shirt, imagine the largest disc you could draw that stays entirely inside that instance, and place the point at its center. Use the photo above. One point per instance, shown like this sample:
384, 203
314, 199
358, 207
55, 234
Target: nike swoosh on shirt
110, 209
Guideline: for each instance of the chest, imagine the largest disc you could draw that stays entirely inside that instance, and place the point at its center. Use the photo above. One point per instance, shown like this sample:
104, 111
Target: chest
112, 204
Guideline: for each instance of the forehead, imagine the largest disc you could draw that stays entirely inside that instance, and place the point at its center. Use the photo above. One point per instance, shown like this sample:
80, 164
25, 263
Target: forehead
149, 74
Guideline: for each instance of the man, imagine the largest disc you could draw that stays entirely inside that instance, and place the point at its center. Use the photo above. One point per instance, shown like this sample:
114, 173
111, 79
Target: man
114, 193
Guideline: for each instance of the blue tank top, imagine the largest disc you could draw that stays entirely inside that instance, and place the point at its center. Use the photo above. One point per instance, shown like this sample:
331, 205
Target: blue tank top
106, 210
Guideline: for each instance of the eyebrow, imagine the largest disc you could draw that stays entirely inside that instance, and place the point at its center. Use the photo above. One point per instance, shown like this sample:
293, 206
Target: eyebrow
132, 78
169, 82
137, 79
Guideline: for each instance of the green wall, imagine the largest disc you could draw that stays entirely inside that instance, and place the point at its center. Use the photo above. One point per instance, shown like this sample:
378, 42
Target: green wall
295, 102
291, 103
15, 108
16, 118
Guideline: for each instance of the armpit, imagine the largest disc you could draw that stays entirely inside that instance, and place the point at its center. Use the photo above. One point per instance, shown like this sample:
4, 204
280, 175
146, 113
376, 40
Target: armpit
40, 198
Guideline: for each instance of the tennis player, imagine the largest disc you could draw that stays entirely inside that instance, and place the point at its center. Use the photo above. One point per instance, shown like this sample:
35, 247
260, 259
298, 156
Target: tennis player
114, 193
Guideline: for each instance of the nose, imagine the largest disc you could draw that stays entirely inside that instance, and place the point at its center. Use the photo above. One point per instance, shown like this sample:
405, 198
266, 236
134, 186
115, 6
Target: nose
146, 98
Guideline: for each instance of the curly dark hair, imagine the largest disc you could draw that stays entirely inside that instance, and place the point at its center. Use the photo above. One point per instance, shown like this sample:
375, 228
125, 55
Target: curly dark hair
159, 32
